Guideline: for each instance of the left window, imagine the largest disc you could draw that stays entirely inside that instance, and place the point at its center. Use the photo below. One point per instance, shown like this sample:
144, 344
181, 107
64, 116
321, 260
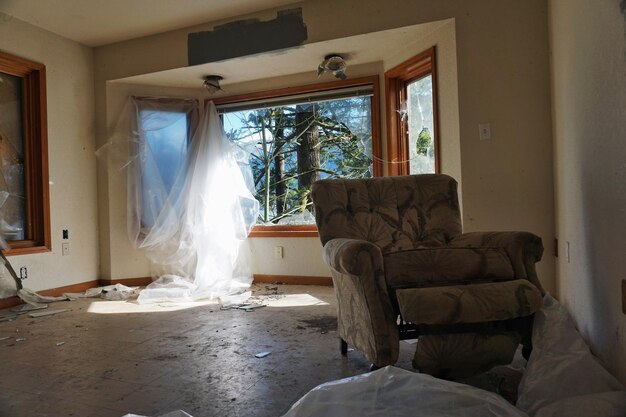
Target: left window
24, 195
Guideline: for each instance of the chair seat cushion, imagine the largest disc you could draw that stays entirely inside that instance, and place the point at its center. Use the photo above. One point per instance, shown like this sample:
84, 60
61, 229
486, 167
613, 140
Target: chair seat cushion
473, 303
463, 354
442, 266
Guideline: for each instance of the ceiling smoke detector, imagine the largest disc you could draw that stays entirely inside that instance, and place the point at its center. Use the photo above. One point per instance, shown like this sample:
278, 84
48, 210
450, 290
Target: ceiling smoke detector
335, 64
212, 83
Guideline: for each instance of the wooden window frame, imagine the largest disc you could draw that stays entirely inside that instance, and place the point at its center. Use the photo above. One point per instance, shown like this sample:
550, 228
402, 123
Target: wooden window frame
377, 168
35, 140
396, 79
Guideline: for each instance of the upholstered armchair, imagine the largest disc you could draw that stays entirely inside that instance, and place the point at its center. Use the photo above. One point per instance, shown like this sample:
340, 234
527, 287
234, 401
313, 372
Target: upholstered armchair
402, 268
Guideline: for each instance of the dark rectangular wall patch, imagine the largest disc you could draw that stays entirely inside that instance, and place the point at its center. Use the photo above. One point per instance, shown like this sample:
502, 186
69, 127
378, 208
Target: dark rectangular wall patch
247, 37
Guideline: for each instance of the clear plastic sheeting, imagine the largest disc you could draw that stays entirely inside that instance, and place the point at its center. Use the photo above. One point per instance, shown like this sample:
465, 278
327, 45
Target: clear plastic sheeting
189, 208
12, 191
396, 392
178, 413
562, 376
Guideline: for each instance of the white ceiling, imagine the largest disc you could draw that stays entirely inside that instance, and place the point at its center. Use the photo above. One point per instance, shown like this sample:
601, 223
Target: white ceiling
360, 49
101, 22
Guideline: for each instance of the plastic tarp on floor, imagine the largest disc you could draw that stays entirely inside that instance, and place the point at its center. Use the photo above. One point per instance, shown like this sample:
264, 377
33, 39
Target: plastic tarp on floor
397, 392
562, 378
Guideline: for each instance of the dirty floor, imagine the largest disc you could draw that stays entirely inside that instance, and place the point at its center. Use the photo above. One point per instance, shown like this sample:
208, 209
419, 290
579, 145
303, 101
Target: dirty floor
110, 358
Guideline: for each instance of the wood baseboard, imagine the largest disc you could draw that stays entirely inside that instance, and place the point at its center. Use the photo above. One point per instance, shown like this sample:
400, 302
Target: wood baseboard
129, 282
143, 281
52, 292
293, 280
10, 302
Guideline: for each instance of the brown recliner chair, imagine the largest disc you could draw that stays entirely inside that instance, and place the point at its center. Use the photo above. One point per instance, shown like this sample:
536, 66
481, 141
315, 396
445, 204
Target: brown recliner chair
402, 268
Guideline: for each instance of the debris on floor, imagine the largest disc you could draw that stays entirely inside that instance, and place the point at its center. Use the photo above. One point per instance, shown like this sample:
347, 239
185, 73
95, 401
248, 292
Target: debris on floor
250, 307
48, 313
60, 343
262, 354
178, 413
29, 306
117, 292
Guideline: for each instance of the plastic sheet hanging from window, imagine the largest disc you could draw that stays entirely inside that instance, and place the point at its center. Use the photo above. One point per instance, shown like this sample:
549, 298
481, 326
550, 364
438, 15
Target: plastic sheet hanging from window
189, 205
12, 201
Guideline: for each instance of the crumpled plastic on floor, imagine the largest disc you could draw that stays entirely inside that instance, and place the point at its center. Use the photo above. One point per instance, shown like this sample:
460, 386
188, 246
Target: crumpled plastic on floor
397, 392
562, 378
178, 413
114, 292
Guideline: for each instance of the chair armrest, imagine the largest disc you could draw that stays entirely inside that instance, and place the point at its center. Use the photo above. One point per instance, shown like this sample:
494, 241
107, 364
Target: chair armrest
344, 255
524, 249
365, 314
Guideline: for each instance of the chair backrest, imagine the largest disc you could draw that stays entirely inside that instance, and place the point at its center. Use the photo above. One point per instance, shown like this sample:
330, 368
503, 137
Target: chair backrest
394, 213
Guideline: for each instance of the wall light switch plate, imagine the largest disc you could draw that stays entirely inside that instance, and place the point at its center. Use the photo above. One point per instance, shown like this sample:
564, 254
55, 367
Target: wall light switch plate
278, 252
65, 248
484, 131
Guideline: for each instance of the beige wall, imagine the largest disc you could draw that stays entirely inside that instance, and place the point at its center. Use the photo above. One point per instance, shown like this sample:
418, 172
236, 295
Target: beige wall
301, 256
588, 41
73, 197
503, 79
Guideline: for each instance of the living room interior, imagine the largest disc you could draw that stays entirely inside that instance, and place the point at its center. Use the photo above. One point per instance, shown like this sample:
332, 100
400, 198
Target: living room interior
548, 77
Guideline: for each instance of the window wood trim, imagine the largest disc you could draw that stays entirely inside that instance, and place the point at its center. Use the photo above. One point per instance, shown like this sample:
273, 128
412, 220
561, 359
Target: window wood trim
396, 78
35, 140
377, 167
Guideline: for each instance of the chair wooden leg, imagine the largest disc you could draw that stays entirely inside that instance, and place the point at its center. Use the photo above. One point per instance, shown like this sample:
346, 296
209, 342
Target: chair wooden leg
343, 347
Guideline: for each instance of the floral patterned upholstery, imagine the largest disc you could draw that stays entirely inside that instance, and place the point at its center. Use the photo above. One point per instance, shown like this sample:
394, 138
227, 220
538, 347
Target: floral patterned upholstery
395, 247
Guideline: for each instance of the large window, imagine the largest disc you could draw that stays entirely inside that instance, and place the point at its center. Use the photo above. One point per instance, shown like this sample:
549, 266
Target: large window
24, 195
296, 136
412, 131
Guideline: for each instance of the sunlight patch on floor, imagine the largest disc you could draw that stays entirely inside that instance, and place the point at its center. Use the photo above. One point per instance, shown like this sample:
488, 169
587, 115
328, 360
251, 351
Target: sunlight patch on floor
126, 307
295, 300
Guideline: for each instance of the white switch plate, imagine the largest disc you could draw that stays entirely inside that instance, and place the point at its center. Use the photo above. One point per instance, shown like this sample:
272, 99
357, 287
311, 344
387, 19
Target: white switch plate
484, 130
65, 248
278, 252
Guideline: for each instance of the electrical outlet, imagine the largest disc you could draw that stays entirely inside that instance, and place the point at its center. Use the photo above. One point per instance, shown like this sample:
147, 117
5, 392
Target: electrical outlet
65, 248
278, 252
23, 273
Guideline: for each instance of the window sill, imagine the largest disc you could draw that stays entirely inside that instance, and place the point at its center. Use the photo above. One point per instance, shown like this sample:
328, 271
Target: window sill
284, 231
19, 249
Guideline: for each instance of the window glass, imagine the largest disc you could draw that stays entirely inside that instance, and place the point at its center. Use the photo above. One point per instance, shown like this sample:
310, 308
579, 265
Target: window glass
294, 145
166, 136
420, 126
12, 191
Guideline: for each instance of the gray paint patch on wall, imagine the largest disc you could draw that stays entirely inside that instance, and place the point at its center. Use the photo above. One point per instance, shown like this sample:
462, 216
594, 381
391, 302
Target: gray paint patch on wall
246, 37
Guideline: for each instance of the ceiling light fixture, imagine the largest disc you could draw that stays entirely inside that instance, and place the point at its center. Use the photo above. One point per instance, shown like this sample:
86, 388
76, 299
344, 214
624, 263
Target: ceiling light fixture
335, 64
212, 83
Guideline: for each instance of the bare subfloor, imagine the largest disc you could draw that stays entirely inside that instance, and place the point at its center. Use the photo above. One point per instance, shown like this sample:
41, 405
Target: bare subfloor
109, 358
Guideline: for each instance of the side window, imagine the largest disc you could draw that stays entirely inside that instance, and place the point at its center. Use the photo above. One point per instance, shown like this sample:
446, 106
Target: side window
412, 131
165, 128
294, 140
24, 195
